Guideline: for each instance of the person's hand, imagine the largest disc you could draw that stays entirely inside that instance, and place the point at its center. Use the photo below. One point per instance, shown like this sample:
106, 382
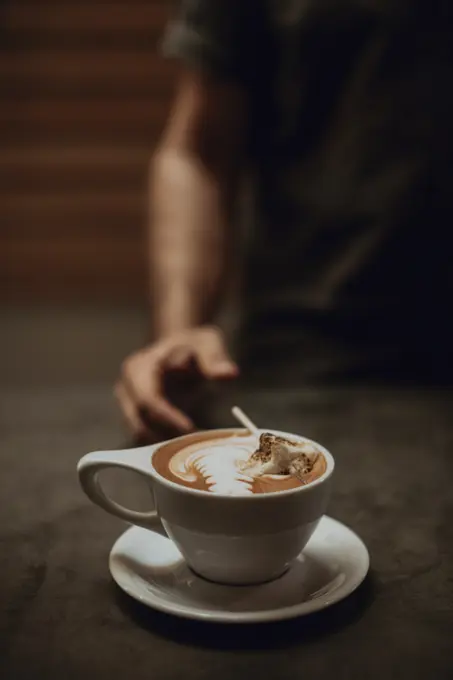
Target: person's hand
142, 388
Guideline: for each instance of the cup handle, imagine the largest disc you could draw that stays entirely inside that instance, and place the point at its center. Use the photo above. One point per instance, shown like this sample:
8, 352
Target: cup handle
138, 460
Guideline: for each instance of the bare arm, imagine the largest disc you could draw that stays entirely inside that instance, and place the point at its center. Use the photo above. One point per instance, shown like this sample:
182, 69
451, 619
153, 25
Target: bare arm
193, 180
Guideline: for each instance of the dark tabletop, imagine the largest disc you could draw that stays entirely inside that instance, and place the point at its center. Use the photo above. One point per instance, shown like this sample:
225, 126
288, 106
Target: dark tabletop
61, 614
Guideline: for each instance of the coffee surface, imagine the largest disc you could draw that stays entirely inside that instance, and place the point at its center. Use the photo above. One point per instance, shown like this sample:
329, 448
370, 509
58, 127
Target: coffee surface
219, 463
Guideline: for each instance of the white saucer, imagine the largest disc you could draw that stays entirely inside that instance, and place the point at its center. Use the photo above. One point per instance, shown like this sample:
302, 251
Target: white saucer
149, 568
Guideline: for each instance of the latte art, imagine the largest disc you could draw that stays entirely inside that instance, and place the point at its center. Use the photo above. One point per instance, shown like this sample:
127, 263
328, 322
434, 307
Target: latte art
219, 462
239, 464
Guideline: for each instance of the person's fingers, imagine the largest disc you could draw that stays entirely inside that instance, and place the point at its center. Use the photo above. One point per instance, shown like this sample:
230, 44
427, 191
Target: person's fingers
143, 378
212, 355
130, 411
180, 358
162, 410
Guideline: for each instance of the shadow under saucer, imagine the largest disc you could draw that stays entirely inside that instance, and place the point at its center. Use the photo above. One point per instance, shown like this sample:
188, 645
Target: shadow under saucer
280, 634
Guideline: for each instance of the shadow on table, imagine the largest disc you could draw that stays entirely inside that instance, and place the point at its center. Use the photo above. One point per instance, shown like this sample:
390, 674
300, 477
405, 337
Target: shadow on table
251, 636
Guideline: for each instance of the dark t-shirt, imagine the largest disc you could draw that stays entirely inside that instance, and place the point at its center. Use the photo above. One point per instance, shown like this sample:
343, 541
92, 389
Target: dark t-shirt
351, 151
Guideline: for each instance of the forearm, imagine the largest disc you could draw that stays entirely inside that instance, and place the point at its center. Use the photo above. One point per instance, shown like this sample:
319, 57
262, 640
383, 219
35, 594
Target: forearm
188, 241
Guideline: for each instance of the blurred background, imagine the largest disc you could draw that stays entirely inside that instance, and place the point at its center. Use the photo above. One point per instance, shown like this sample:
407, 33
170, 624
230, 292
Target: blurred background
84, 94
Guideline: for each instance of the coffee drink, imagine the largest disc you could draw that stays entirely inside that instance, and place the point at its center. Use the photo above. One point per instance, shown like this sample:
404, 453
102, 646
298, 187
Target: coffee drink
261, 498
240, 464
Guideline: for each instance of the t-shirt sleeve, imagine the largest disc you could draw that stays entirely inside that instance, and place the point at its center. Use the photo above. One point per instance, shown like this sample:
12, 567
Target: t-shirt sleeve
212, 35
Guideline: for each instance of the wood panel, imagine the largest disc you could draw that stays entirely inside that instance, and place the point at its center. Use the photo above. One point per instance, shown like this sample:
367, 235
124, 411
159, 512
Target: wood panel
56, 211
85, 72
72, 268
66, 20
84, 97
57, 170
74, 121
67, 24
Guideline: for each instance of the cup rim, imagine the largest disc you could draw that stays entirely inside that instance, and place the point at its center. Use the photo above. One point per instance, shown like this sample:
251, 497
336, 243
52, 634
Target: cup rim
201, 493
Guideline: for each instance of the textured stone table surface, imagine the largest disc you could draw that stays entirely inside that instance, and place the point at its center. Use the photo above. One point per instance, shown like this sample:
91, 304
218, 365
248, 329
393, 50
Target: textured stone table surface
62, 616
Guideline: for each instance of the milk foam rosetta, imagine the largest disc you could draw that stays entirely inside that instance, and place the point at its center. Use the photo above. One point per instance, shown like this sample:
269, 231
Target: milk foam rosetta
240, 465
219, 462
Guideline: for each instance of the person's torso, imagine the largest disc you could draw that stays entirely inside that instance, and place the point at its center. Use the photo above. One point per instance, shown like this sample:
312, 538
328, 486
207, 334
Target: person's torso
353, 157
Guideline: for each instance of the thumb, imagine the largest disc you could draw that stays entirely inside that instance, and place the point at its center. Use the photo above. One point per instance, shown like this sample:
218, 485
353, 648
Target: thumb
212, 355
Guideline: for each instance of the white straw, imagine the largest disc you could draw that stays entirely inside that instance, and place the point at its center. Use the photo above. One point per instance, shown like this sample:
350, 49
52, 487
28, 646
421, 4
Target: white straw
244, 420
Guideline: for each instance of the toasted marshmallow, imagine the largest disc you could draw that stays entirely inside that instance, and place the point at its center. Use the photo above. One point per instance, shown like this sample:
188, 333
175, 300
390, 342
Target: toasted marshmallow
279, 456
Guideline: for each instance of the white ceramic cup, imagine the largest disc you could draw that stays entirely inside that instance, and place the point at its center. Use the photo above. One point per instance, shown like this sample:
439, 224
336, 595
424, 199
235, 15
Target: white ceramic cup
227, 539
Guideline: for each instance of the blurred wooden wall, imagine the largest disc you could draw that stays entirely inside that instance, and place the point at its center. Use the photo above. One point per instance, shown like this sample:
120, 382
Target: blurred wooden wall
83, 96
